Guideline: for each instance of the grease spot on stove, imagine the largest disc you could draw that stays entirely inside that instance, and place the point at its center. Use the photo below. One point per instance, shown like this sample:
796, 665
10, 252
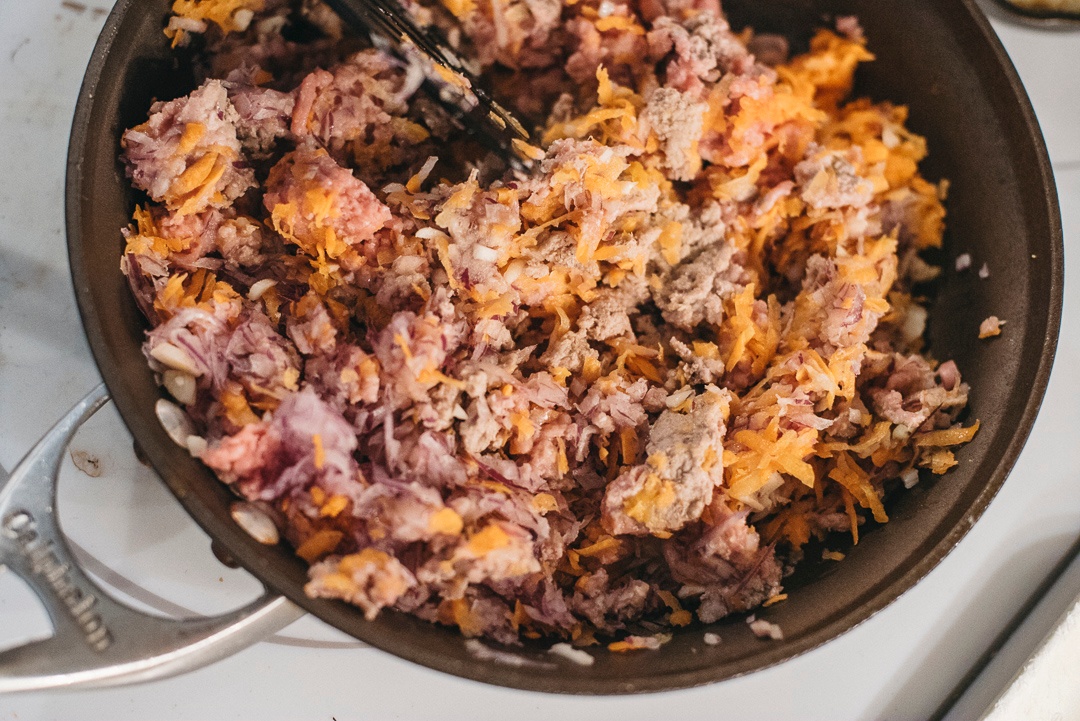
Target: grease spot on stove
20, 46
78, 8
86, 462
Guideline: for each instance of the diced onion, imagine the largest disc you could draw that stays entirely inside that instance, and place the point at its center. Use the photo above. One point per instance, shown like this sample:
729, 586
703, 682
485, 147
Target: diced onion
678, 397
430, 234
582, 658
259, 287
513, 270
242, 19
486, 254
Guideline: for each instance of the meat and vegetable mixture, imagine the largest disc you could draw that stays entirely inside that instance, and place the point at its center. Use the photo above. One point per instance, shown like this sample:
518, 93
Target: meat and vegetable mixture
588, 402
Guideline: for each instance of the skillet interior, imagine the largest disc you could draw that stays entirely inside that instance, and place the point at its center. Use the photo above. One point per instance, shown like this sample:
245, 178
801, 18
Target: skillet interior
940, 58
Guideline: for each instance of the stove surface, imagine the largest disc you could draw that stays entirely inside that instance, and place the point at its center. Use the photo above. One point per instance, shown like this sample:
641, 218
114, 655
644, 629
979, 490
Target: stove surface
134, 537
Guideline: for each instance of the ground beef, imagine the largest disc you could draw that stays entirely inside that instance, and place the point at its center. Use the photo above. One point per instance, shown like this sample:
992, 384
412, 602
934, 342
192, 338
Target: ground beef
676, 483
676, 119
187, 155
320, 206
696, 289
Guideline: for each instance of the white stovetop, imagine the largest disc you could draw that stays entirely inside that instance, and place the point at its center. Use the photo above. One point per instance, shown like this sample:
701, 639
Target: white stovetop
900, 664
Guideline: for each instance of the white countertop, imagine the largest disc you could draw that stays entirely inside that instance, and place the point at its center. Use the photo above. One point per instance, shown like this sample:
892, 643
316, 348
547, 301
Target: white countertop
901, 664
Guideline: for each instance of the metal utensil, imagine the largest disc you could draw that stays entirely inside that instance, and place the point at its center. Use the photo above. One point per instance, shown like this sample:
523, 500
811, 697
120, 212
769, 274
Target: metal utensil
98, 641
460, 90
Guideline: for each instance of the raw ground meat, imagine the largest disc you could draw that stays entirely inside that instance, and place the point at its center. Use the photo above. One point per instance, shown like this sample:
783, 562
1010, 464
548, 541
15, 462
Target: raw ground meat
585, 403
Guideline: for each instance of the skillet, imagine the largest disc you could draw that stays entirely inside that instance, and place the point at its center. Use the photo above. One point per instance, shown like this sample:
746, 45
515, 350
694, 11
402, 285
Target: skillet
940, 58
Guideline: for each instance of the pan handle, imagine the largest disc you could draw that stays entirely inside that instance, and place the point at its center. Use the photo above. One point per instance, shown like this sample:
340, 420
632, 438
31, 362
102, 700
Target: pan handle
96, 640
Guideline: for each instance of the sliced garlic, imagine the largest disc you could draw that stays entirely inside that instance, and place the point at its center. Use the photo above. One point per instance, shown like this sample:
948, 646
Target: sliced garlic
256, 522
196, 446
175, 422
180, 385
175, 357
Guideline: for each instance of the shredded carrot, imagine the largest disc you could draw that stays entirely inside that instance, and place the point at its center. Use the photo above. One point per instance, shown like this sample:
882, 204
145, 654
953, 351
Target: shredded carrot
320, 453
947, 437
